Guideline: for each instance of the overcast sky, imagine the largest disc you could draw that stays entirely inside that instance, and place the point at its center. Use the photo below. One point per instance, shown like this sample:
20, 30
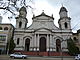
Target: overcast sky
52, 7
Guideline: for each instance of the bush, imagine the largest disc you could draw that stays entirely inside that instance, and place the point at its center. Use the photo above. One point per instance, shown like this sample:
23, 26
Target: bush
72, 48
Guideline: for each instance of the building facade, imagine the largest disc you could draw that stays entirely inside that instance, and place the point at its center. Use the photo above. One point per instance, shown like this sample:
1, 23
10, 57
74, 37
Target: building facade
42, 35
6, 33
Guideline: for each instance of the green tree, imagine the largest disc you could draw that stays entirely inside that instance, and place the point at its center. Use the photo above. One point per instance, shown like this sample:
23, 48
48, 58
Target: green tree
73, 49
10, 46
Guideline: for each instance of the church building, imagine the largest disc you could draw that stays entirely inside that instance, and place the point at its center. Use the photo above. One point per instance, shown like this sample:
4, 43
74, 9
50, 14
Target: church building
42, 35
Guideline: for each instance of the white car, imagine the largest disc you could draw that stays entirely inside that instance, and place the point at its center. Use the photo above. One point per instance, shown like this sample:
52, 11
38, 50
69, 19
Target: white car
18, 55
77, 57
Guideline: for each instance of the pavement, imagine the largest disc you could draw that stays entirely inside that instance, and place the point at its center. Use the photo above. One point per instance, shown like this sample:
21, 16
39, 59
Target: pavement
6, 57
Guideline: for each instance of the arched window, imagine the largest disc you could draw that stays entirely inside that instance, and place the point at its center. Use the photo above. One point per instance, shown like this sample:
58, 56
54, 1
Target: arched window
0, 28
27, 44
58, 45
18, 41
20, 24
66, 25
6, 28
75, 39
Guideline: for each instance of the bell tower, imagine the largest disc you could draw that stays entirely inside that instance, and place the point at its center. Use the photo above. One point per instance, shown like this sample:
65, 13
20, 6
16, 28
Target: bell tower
64, 21
21, 20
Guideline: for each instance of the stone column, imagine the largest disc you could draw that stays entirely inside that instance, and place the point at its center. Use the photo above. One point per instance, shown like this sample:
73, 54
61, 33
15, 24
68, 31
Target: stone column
51, 42
35, 43
47, 42
38, 42
31, 44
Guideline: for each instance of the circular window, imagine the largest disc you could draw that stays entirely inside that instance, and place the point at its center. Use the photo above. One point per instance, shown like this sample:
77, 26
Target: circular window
6, 28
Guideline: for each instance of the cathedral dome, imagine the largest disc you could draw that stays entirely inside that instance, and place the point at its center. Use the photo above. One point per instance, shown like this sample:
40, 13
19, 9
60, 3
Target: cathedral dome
23, 9
63, 9
78, 31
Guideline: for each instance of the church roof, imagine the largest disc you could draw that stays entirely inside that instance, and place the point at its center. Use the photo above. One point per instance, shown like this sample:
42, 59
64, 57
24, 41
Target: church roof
43, 14
63, 9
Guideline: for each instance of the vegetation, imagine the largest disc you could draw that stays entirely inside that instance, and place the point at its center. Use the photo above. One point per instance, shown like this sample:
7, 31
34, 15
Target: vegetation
10, 46
12, 7
73, 49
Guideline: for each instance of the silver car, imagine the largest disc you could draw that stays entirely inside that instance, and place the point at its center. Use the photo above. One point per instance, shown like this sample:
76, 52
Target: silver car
18, 55
77, 57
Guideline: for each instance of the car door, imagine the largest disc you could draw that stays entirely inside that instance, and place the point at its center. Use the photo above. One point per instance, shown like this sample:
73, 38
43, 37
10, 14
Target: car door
19, 55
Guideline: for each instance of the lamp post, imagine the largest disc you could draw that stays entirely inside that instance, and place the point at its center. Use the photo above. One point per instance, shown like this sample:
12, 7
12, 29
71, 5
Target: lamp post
8, 48
61, 46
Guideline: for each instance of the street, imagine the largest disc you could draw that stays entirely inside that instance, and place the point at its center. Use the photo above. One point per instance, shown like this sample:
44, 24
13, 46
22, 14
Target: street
5, 57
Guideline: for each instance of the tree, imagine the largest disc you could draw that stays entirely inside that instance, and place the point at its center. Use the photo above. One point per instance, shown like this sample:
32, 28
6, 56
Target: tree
73, 49
13, 6
10, 46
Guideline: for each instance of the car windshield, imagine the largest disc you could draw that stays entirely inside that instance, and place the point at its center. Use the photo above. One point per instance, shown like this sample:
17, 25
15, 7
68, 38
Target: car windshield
17, 53
76, 55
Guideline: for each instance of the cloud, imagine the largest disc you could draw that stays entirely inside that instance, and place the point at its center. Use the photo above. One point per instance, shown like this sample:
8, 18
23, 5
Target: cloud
53, 7
73, 10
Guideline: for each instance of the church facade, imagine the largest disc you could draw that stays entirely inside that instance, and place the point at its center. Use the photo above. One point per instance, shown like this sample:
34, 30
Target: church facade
42, 35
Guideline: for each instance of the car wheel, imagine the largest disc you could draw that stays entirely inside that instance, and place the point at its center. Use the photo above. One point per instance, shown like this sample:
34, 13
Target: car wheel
23, 57
13, 57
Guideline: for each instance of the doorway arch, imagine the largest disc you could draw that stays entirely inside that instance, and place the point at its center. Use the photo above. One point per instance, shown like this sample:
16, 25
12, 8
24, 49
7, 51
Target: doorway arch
27, 44
58, 45
42, 44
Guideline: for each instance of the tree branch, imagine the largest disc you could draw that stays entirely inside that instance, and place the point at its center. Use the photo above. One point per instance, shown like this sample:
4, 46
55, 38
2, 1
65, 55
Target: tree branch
2, 8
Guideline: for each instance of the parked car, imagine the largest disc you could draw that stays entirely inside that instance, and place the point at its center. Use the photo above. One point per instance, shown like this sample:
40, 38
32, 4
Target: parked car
18, 55
77, 57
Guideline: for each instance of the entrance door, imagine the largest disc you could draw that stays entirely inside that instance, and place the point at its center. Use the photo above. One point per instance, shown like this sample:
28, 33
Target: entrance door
58, 45
42, 44
27, 44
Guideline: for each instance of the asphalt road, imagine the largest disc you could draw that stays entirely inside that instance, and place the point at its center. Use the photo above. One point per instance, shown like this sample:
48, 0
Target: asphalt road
4, 57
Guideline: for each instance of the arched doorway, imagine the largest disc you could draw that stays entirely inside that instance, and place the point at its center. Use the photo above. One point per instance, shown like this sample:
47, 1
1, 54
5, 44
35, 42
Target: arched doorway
27, 44
58, 45
42, 44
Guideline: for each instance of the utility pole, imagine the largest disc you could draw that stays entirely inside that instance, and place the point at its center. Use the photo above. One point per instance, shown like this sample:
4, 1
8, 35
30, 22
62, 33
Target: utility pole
61, 52
61, 46
8, 47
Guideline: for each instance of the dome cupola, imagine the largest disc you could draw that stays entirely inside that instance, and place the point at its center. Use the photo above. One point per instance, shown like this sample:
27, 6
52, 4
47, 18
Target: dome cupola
63, 9
63, 12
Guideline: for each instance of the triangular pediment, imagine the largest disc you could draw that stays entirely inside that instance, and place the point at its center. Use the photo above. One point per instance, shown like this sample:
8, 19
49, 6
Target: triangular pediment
43, 30
43, 16
43, 21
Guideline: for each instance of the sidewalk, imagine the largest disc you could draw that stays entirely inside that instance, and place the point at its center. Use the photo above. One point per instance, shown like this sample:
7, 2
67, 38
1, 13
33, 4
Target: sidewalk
5, 56
44, 57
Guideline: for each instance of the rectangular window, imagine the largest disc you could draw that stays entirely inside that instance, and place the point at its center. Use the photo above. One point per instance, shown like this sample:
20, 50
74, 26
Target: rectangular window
18, 41
2, 37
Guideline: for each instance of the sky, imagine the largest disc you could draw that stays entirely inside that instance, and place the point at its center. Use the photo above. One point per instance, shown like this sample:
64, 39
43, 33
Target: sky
53, 7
